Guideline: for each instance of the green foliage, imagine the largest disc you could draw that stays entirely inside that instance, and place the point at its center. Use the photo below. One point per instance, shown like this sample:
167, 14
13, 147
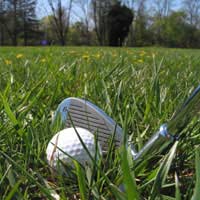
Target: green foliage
79, 35
18, 22
139, 88
175, 31
119, 20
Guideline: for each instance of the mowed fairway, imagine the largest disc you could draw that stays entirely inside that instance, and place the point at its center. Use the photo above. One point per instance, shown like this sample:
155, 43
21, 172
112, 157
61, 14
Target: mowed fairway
139, 87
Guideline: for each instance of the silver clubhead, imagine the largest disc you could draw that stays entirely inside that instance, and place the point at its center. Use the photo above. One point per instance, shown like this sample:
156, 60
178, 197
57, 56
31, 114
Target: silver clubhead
82, 113
86, 115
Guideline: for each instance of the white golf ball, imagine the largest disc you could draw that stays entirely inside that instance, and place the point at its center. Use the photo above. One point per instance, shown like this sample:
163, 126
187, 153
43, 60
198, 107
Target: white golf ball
67, 142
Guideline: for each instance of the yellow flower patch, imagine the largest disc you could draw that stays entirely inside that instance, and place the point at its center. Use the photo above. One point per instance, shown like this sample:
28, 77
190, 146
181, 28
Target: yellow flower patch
18, 56
8, 62
43, 60
86, 57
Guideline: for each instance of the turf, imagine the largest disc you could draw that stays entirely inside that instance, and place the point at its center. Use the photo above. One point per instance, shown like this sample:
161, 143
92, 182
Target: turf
139, 87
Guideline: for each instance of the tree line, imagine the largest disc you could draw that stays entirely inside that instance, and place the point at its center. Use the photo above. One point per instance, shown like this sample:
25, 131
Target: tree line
18, 21
102, 22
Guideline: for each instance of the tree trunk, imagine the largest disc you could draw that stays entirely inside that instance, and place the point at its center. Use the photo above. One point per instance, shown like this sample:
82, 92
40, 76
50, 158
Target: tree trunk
1, 36
14, 37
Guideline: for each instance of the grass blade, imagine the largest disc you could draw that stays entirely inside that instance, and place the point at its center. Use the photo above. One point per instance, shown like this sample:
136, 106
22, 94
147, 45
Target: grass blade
118, 194
11, 115
178, 193
162, 172
81, 180
129, 178
14, 190
30, 177
196, 194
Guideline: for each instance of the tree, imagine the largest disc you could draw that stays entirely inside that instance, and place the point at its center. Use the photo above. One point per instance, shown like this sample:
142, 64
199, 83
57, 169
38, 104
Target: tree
61, 19
2, 29
192, 9
131, 4
84, 16
161, 9
10, 19
119, 19
141, 24
176, 32
100, 9
78, 36
17, 17
49, 34
28, 19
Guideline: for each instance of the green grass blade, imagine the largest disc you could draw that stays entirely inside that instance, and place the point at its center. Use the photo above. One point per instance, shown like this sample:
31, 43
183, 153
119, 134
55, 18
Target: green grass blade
165, 197
5, 174
178, 193
119, 195
129, 178
81, 181
30, 177
162, 172
11, 115
14, 190
196, 194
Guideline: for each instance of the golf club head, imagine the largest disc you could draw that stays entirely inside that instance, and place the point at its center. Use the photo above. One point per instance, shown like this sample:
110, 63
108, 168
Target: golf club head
76, 112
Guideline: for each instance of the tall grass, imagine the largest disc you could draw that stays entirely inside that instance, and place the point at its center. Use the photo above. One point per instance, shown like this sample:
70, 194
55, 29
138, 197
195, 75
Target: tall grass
139, 88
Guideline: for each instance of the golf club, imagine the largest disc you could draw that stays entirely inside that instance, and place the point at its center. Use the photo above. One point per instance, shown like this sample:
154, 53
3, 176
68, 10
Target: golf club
168, 132
86, 115
82, 113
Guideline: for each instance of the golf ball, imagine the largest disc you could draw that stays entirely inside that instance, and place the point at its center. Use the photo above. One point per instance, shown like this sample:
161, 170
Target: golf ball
66, 144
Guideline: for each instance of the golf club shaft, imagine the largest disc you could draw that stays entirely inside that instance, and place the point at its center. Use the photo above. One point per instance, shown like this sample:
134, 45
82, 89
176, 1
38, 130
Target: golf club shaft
168, 132
185, 114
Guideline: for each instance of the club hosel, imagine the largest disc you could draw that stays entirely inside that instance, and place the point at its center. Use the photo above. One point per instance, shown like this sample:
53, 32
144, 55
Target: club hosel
157, 143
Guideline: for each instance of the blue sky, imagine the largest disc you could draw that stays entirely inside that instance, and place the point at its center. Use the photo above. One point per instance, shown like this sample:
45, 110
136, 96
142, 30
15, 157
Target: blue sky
43, 8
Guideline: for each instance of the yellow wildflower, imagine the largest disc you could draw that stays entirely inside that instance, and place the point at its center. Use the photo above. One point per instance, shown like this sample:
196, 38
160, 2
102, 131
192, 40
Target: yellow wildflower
8, 62
142, 53
140, 61
98, 55
43, 60
85, 56
18, 56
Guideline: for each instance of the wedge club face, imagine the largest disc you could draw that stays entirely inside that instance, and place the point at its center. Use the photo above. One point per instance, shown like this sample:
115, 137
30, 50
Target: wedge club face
86, 115
76, 112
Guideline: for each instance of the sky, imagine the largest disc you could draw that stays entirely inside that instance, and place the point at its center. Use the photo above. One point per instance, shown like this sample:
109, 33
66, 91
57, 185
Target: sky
43, 8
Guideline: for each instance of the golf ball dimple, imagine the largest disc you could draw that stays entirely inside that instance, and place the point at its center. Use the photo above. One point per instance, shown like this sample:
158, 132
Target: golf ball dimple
66, 144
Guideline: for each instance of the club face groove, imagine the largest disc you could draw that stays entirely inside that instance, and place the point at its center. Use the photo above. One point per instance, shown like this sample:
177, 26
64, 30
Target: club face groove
81, 113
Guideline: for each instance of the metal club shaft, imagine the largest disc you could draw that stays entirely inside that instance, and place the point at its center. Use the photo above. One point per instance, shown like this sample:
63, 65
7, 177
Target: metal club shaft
169, 131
